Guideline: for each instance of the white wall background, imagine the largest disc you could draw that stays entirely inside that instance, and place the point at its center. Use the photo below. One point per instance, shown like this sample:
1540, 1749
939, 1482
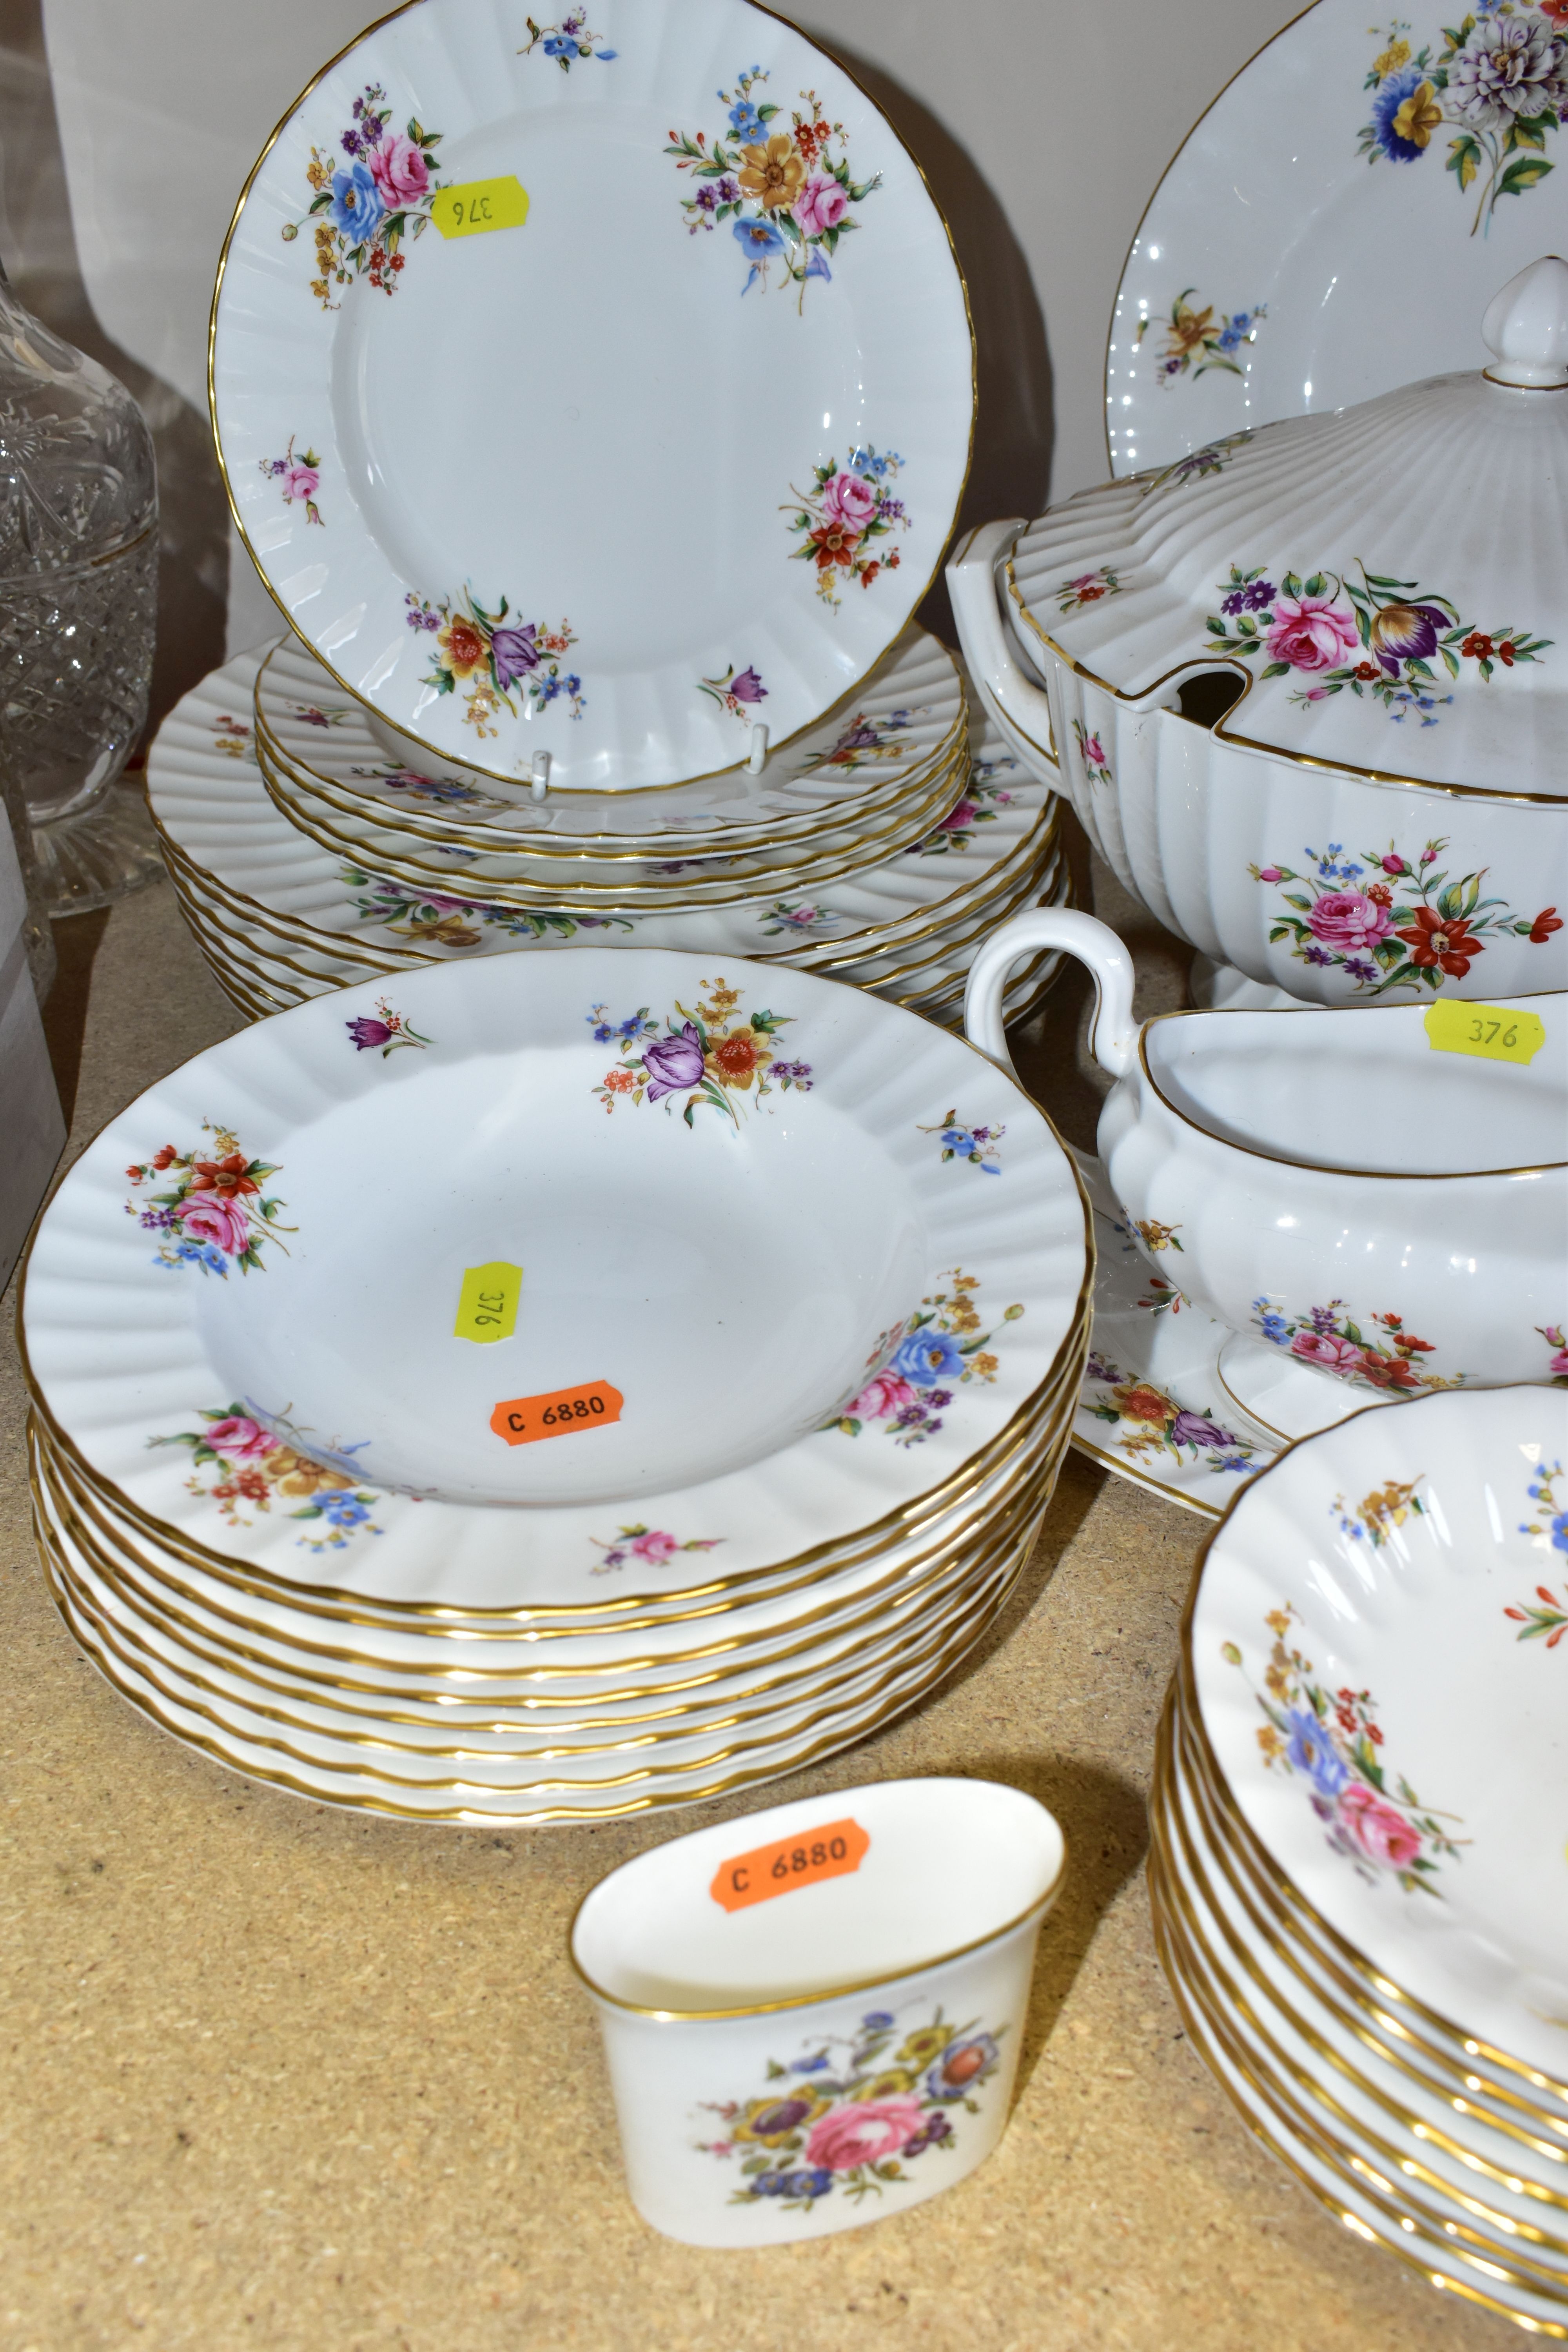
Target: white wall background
1043, 126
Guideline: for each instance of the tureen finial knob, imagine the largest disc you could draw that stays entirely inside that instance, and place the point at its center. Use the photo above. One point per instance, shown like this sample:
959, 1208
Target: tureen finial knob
1526, 326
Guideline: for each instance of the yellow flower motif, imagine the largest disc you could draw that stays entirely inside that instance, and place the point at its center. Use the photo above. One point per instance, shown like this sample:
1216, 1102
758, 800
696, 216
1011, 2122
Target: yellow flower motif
983, 1365
1187, 328
787, 2114
1397, 54
1391, 1506
774, 174
888, 2086
1419, 117
736, 1056
295, 1473
1279, 1621
319, 171
460, 647
1156, 1236
1268, 1740
451, 932
1277, 1683
920, 2048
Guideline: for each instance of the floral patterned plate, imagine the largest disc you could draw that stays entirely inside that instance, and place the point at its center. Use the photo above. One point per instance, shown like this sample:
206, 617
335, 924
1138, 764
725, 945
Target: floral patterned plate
1343, 142
214, 814
905, 721
1372, 1643
738, 1215
521, 877
577, 219
1448, 2216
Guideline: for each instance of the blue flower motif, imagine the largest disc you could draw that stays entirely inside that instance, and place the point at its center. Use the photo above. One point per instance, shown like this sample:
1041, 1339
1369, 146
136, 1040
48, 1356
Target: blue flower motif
206, 1255
1392, 93
558, 46
817, 266
759, 237
746, 123
356, 208
1308, 1751
809, 2066
344, 1510
926, 1357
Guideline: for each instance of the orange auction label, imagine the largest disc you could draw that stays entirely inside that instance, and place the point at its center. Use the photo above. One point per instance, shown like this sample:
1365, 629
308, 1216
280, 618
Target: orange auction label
831, 1852
523, 1421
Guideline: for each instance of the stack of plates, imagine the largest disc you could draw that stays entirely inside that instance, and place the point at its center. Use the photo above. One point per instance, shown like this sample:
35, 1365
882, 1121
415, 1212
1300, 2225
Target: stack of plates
1357, 1863
412, 869
805, 1281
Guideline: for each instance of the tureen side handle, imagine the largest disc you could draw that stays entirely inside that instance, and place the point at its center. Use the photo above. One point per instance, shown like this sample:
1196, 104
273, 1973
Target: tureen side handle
1113, 1038
976, 608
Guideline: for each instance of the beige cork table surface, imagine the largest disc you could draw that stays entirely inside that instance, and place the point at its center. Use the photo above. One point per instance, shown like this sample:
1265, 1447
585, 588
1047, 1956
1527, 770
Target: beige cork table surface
279, 2075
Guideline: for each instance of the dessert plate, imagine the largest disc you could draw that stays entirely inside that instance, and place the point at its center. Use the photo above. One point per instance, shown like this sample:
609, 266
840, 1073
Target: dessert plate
1343, 144
706, 371
905, 721
222, 831
717, 1197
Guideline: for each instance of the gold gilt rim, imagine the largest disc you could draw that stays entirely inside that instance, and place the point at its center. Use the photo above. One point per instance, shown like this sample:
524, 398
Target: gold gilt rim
868, 847
229, 1713
937, 959
1323, 1167
1191, 1799
260, 958
1173, 1832
1209, 2034
1035, 1911
795, 1637
1136, 1478
704, 1611
1191, 664
949, 748
281, 125
1025, 865
948, 1590
471, 1816
975, 1467
1258, 1854
1389, 2170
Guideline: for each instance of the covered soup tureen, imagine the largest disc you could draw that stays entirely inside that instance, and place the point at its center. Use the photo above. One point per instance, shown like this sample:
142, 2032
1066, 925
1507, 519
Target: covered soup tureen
1308, 687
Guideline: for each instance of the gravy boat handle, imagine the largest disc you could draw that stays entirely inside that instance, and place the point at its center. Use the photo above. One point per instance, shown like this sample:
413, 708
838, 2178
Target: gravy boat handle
1114, 1036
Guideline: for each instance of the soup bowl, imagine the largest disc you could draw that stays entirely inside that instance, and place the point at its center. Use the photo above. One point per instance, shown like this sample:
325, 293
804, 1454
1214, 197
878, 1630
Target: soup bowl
1373, 1202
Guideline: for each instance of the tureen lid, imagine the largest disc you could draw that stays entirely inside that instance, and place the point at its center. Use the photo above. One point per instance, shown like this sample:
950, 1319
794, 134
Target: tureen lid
1390, 581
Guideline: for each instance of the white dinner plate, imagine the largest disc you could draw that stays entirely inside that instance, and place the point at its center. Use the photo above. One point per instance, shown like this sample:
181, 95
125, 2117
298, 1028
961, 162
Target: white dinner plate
1260, 283
599, 390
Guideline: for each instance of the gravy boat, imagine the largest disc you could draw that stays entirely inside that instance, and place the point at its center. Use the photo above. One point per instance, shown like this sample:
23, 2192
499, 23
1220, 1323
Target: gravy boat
1374, 1211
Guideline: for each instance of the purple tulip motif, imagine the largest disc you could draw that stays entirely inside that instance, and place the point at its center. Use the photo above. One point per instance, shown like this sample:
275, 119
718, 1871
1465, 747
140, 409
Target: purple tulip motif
674, 1063
382, 1032
514, 654
1402, 632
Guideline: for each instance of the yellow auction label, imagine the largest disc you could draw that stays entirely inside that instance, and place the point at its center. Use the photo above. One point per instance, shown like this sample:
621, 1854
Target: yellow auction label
481, 205
1496, 1032
487, 1303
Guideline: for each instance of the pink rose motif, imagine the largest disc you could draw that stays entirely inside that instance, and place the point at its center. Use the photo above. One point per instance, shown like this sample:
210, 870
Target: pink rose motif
399, 171
961, 815
862, 2132
240, 1438
1334, 1355
1381, 1832
885, 1395
820, 206
1311, 631
1094, 750
1269, 873
1349, 919
212, 1217
849, 501
300, 483
655, 1547
1560, 1364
